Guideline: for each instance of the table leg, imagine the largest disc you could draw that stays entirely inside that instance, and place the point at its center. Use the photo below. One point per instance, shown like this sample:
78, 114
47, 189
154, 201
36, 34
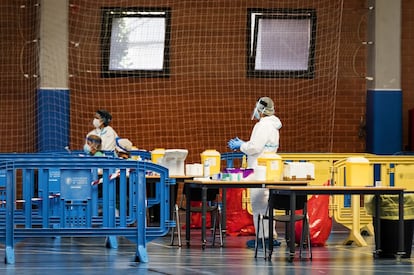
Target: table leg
401, 250
377, 226
203, 216
223, 211
292, 227
173, 196
270, 226
187, 214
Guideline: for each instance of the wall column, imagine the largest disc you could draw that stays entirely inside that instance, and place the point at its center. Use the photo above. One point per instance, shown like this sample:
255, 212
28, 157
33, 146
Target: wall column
384, 95
53, 100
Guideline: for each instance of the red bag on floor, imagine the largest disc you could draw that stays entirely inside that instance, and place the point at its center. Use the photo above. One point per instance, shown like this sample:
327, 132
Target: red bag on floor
320, 223
238, 220
196, 217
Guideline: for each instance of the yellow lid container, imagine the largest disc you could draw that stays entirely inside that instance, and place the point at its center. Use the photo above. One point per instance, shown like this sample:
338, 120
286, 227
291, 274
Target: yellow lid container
213, 158
157, 155
358, 172
273, 164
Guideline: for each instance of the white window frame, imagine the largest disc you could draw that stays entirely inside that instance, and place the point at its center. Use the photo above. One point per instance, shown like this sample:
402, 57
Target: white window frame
281, 43
135, 42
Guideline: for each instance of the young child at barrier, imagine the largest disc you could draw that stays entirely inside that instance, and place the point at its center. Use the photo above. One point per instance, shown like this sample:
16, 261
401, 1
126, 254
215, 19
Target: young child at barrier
93, 146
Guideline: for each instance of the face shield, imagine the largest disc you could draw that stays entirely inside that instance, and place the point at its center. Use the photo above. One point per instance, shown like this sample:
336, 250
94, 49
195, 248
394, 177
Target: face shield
255, 114
258, 109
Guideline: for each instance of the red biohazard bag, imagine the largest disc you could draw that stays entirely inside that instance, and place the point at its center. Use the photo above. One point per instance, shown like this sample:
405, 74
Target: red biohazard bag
196, 217
239, 222
320, 223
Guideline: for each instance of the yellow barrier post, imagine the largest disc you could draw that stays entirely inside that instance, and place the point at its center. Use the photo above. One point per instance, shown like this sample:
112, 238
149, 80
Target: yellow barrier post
357, 174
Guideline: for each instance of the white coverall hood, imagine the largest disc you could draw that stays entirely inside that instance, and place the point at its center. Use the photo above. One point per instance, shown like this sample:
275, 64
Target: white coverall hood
264, 138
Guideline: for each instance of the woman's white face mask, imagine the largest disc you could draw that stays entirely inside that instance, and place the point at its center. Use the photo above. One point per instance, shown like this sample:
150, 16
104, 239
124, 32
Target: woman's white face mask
97, 123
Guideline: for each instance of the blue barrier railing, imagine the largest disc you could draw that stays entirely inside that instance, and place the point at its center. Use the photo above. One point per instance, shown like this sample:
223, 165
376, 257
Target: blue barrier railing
56, 196
230, 157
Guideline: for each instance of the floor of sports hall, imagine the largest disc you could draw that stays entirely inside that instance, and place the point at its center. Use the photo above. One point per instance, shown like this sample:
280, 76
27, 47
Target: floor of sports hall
89, 256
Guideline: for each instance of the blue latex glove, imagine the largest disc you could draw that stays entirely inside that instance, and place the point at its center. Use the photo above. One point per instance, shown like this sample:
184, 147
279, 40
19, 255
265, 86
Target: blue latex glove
235, 143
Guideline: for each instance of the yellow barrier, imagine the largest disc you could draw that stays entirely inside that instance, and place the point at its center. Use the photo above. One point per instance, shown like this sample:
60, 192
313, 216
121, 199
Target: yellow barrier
323, 163
388, 170
395, 170
354, 212
398, 170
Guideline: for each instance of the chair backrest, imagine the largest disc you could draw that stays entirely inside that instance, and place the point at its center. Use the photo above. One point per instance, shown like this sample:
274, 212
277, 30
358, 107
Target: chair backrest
195, 193
282, 202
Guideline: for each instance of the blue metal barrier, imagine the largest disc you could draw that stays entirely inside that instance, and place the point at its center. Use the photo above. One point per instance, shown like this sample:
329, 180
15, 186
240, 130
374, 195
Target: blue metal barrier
229, 158
143, 154
28, 180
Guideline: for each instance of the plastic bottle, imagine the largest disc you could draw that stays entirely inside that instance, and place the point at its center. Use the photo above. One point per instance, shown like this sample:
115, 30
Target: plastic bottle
206, 171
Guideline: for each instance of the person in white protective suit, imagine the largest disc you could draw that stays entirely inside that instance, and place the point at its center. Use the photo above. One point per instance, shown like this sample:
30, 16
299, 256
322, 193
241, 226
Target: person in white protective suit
264, 138
103, 130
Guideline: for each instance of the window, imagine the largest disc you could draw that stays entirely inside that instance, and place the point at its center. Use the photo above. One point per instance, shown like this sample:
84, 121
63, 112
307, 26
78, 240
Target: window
135, 42
281, 43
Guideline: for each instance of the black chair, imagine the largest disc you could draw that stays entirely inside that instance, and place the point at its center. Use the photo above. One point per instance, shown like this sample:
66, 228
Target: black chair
213, 207
282, 202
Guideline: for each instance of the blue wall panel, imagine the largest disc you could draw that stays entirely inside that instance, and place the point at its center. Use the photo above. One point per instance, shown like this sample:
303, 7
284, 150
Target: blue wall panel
384, 122
53, 119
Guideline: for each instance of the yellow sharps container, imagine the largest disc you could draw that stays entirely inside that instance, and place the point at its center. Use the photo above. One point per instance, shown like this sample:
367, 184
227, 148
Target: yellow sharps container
358, 172
213, 158
273, 164
157, 155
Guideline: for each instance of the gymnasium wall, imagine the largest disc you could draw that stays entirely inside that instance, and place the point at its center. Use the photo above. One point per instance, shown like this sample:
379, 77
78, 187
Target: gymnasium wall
196, 113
